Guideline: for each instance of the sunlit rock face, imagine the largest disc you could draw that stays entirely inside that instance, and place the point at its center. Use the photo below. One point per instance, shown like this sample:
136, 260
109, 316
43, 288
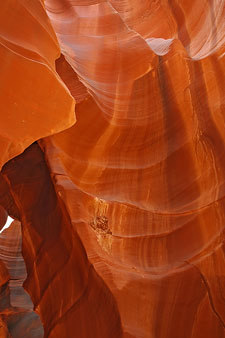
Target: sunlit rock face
30, 89
122, 212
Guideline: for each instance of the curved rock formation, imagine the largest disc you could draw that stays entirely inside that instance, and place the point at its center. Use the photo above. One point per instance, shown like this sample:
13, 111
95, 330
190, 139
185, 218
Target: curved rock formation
36, 93
16, 309
123, 213
70, 291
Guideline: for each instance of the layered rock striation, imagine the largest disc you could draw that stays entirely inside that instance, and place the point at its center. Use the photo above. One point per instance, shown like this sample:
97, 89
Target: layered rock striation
123, 211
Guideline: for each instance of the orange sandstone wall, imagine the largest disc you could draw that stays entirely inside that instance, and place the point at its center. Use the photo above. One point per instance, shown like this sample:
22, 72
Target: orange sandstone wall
122, 212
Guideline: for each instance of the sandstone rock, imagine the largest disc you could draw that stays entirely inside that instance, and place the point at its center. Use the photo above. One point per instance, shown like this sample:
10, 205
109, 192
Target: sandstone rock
122, 212
34, 101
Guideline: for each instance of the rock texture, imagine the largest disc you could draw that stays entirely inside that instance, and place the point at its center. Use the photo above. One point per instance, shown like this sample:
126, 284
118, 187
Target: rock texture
3, 217
30, 89
122, 212
17, 319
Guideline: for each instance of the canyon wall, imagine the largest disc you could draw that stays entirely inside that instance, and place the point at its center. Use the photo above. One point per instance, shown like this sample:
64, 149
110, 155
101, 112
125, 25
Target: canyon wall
120, 199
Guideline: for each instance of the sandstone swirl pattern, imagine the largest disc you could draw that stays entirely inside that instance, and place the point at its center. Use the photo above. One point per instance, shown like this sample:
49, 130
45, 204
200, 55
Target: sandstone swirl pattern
122, 212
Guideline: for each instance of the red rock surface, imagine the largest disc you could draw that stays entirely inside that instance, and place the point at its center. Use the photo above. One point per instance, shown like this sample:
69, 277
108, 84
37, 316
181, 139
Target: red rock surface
123, 213
30, 89
3, 217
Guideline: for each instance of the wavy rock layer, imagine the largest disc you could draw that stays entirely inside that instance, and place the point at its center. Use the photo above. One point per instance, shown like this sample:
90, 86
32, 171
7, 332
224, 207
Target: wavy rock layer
63, 284
30, 89
142, 171
123, 213
17, 317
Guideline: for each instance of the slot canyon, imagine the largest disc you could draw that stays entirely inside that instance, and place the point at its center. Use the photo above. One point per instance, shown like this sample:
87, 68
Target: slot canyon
112, 159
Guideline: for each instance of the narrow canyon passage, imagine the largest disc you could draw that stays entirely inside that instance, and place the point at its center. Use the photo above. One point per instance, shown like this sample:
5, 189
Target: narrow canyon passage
112, 167
16, 310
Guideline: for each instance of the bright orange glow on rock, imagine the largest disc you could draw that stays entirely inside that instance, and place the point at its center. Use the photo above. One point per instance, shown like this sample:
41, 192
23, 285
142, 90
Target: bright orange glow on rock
122, 207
